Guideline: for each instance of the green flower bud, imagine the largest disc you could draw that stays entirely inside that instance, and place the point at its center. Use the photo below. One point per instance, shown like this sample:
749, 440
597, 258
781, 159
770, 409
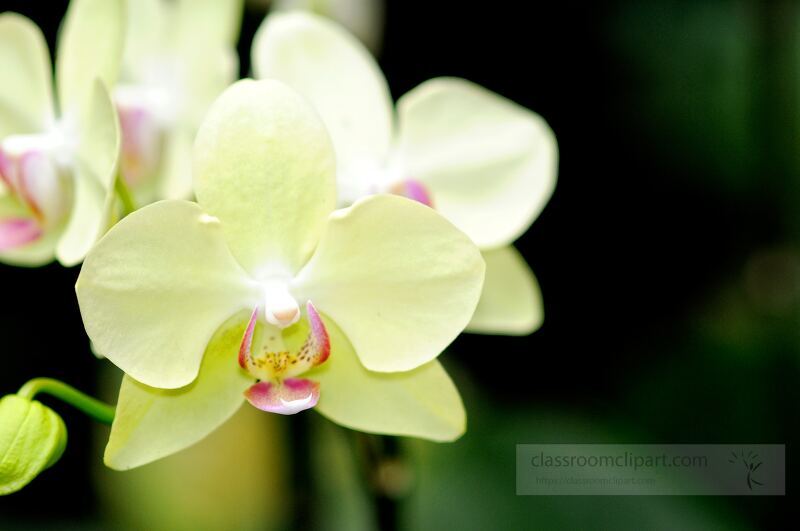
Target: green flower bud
32, 438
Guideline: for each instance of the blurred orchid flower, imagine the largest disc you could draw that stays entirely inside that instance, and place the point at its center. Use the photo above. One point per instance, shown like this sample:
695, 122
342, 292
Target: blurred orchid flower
179, 56
484, 162
207, 305
362, 18
58, 162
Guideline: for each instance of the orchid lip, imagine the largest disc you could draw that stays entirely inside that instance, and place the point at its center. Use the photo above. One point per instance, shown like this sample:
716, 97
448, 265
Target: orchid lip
17, 232
285, 398
270, 359
278, 389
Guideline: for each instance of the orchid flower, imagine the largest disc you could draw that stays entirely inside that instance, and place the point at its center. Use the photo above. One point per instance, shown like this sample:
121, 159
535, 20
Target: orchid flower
179, 56
262, 292
485, 163
58, 161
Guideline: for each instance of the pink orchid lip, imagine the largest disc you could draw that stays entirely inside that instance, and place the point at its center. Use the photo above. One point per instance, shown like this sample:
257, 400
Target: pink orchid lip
278, 391
5, 169
413, 189
285, 398
16, 232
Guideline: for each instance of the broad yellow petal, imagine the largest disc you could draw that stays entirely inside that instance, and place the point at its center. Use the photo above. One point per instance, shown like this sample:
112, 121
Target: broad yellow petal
400, 280
207, 24
264, 165
90, 45
511, 302
489, 163
156, 287
26, 99
420, 403
339, 77
153, 423
94, 173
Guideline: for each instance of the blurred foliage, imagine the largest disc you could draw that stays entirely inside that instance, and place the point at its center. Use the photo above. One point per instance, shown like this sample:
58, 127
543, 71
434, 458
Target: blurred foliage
691, 66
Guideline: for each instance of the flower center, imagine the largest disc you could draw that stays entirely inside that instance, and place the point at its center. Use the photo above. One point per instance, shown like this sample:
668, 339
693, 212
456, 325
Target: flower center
148, 107
275, 357
280, 307
36, 168
365, 178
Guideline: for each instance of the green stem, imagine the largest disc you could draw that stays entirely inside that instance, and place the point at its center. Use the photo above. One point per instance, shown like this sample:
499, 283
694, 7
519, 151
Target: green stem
128, 204
99, 411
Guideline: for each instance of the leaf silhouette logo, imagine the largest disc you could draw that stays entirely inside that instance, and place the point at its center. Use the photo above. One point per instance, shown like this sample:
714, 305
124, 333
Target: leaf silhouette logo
751, 464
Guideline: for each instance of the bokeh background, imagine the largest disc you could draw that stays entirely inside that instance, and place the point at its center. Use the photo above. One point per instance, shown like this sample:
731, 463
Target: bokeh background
669, 259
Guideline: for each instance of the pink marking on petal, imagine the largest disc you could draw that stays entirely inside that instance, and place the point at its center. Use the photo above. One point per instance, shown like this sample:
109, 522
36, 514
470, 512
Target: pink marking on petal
318, 340
30, 167
247, 340
5, 169
140, 143
16, 232
286, 398
413, 189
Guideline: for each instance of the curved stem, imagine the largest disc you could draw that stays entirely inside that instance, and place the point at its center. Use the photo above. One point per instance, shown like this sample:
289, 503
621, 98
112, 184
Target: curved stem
100, 411
128, 204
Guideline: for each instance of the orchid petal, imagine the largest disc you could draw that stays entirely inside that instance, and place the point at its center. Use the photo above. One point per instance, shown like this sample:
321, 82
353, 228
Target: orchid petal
17, 232
400, 280
511, 302
26, 99
209, 75
95, 171
148, 24
337, 74
42, 186
36, 253
153, 423
418, 403
489, 163
263, 164
155, 288
192, 44
90, 45
363, 18
291, 396
204, 24
176, 177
